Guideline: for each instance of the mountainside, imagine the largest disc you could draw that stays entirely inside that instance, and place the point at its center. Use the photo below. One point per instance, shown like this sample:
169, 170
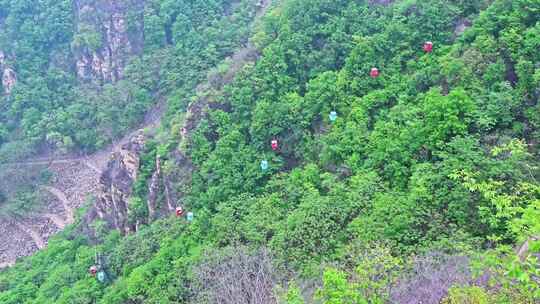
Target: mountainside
50, 181
296, 151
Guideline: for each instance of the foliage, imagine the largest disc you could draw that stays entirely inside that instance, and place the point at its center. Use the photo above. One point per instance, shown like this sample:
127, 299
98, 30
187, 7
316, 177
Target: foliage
52, 106
467, 295
427, 166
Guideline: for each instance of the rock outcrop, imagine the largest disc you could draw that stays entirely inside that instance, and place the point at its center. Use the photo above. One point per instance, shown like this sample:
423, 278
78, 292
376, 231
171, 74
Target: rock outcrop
116, 185
9, 77
105, 41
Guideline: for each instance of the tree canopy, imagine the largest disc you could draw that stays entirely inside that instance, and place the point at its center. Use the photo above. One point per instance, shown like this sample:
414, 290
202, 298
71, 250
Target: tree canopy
429, 174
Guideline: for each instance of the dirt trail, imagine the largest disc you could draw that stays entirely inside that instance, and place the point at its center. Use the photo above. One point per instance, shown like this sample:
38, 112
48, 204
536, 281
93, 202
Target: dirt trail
40, 243
98, 160
56, 219
63, 199
44, 162
92, 166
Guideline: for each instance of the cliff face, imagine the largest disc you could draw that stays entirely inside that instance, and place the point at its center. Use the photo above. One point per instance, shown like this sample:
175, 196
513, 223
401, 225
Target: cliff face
106, 34
104, 180
116, 186
106, 39
9, 78
116, 183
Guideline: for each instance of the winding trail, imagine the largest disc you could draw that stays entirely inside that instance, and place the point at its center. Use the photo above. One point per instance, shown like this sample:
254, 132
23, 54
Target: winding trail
40, 243
63, 199
45, 162
57, 220
90, 165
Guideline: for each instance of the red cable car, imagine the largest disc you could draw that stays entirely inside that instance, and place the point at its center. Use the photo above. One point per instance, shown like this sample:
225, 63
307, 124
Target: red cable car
274, 144
374, 73
93, 270
428, 47
179, 211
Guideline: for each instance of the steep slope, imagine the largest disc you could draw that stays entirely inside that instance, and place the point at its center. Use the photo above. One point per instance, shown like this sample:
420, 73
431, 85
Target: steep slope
346, 162
78, 180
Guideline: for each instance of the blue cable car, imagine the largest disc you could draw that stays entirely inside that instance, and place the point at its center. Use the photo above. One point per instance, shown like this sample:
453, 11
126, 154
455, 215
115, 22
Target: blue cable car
101, 276
189, 216
333, 116
264, 165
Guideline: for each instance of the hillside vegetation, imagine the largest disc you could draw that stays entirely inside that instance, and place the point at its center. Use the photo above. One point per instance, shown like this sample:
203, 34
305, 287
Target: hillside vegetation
424, 189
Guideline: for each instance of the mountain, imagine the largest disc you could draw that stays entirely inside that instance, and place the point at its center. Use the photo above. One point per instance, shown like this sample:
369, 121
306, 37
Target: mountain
270, 152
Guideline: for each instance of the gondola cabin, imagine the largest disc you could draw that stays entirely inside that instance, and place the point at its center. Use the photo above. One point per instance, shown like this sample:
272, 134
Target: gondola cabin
332, 116
264, 165
93, 270
374, 73
428, 47
274, 145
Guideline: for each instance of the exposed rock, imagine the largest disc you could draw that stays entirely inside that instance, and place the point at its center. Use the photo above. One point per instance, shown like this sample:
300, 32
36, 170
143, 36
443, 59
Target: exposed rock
116, 185
18, 244
106, 179
9, 77
523, 250
180, 176
104, 43
153, 189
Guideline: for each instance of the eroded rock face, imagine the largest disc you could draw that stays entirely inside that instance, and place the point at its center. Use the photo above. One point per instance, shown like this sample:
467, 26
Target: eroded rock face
116, 185
9, 77
105, 41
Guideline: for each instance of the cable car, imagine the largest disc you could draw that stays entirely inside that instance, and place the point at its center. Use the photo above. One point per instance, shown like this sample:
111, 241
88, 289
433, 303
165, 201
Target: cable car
274, 144
264, 165
374, 73
179, 211
333, 116
101, 276
428, 46
189, 216
93, 270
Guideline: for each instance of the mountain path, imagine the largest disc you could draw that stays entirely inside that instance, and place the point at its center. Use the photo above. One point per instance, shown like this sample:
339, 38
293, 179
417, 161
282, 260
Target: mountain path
57, 220
60, 195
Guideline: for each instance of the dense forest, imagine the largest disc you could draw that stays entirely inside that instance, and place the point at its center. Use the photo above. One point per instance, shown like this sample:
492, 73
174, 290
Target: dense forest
374, 152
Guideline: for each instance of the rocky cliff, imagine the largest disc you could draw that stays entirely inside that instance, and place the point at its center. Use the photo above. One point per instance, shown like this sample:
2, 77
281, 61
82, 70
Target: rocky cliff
106, 35
9, 78
116, 184
106, 38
